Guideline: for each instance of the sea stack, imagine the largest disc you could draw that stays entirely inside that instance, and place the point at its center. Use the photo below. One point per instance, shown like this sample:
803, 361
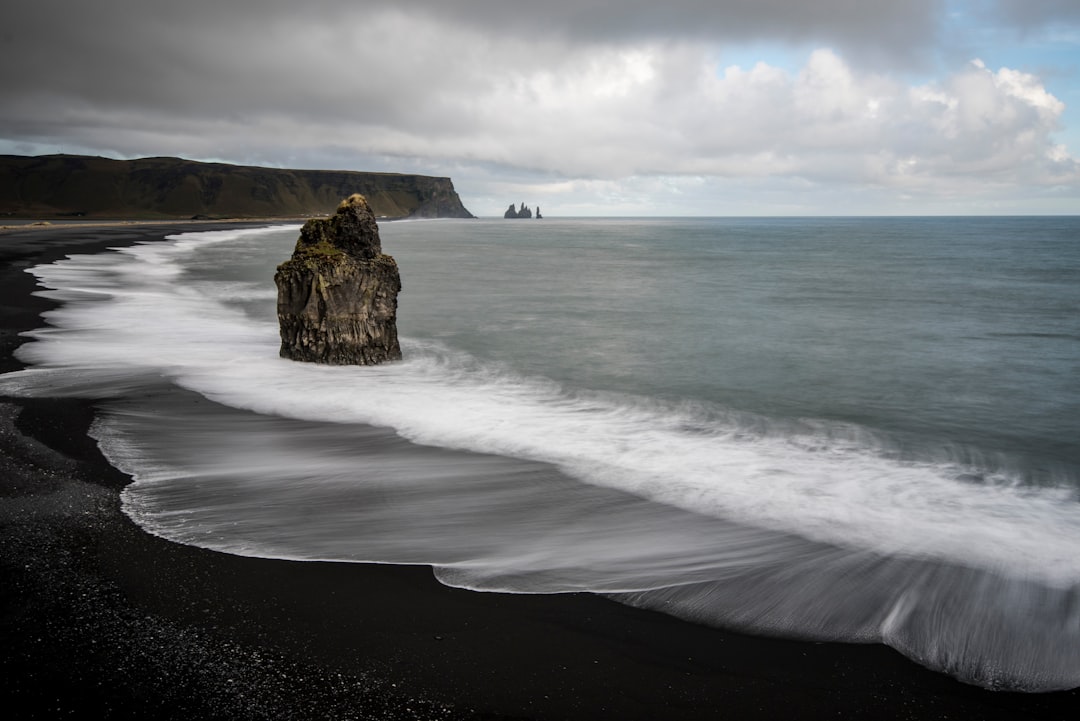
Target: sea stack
337, 295
524, 212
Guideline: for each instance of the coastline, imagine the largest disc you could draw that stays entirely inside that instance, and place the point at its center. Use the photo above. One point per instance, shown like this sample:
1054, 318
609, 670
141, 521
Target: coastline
36, 225
102, 619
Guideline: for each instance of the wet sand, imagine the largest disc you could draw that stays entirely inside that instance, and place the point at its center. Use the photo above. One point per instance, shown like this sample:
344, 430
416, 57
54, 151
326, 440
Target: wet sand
101, 620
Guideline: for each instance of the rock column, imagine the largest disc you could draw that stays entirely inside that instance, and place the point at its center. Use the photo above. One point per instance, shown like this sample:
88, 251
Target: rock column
337, 295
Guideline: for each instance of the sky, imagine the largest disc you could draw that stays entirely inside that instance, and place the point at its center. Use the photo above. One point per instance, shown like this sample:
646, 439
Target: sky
583, 107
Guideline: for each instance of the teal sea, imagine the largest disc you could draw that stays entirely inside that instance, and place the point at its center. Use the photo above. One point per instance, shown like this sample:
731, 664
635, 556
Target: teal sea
854, 429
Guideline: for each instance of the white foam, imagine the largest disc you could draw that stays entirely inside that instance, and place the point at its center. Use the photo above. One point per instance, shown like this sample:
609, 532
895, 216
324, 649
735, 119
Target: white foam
840, 490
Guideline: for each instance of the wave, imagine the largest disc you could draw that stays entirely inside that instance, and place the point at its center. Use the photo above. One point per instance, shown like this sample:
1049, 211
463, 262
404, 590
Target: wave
801, 527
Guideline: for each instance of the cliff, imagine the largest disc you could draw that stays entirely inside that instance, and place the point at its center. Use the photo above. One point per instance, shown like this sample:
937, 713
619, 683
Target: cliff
337, 295
51, 186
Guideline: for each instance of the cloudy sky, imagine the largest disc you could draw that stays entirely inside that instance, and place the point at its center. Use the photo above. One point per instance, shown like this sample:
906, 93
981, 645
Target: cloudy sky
585, 107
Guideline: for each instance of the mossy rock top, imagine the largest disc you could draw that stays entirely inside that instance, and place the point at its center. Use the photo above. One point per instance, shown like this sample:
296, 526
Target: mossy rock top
352, 230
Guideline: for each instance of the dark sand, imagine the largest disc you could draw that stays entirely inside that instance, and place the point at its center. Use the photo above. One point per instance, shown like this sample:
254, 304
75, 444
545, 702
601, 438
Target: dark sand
101, 620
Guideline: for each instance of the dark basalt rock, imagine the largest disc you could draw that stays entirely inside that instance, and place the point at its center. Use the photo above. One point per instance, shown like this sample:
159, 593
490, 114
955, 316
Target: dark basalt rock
56, 186
337, 295
523, 212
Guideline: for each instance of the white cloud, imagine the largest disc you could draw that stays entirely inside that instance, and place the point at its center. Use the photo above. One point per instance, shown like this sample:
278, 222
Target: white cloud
383, 89
663, 110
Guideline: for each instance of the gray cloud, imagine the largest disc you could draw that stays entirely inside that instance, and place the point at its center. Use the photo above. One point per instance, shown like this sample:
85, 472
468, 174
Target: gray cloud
884, 24
870, 25
545, 98
1034, 13
259, 56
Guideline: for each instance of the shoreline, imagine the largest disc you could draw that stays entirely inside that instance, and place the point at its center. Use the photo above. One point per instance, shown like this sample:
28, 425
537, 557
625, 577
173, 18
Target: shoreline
103, 619
189, 225
22, 225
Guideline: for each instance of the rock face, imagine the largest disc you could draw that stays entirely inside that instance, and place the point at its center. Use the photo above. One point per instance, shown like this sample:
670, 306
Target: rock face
337, 295
54, 186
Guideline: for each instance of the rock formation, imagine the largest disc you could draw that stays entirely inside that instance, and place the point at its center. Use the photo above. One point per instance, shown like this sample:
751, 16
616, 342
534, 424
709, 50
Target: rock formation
337, 295
524, 212
58, 186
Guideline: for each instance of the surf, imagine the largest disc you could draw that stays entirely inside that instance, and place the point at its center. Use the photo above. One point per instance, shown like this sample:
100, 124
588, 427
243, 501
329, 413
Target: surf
700, 510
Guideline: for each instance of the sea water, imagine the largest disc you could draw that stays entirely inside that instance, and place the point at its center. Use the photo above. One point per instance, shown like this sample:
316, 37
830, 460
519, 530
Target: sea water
848, 429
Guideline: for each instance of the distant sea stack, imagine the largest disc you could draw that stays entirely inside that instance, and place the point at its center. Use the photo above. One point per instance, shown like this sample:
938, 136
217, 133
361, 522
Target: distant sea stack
337, 295
79, 186
523, 212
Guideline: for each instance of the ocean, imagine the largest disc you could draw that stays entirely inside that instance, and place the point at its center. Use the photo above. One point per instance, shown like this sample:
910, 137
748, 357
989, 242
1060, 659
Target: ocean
851, 429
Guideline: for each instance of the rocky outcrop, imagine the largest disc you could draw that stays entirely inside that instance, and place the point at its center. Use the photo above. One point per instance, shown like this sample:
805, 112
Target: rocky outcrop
54, 186
337, 295
523, 212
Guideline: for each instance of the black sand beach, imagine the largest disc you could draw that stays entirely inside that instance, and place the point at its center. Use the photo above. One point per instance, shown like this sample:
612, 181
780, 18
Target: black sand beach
101, 620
